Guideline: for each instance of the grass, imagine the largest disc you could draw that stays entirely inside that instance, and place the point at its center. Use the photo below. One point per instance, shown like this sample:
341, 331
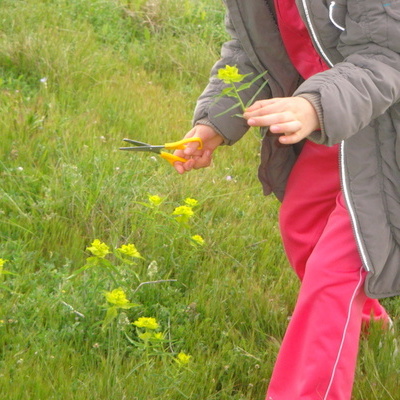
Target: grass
77, 76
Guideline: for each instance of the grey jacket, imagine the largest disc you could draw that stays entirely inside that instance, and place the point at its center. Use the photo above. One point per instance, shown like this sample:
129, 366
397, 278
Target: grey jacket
357, 101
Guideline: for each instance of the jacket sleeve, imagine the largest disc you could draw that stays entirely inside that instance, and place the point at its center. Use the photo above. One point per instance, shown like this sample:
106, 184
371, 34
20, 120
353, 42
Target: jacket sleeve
366, 83
230, 127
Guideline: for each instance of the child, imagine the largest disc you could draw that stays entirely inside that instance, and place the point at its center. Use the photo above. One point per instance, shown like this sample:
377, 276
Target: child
333, 80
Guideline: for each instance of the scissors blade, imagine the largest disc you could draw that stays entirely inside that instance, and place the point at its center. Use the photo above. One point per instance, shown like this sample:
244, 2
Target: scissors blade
136, 143
141, 146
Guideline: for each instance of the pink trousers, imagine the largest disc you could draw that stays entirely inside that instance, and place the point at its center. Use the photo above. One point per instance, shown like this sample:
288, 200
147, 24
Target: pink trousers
317, 358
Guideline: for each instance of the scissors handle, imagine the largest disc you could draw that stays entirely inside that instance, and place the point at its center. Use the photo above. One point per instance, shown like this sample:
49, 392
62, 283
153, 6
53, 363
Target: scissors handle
171, 158
181, 144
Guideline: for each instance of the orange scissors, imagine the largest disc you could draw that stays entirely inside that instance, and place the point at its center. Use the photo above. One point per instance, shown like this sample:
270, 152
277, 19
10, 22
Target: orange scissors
171, 158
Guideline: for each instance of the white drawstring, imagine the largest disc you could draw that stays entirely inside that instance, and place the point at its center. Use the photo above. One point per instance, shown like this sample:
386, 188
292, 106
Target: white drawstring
331, 5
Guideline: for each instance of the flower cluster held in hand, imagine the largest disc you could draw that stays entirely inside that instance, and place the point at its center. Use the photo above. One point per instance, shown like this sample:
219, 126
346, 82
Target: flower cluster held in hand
230, 75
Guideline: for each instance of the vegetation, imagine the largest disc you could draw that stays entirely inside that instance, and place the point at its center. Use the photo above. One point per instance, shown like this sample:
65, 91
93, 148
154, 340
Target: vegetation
120, 279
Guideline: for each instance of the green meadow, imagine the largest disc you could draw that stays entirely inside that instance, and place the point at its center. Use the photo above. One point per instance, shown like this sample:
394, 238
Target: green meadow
119, 278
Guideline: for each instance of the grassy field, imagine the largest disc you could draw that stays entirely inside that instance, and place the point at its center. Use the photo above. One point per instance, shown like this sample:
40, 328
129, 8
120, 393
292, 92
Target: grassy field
76, 77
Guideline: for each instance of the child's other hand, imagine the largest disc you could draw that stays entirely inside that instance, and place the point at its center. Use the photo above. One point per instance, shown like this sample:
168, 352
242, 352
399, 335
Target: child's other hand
198, 158
295, 117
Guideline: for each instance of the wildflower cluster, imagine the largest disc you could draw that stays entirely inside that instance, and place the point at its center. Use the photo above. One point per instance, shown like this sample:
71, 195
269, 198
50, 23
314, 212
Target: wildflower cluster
116, 299
147, 323
197, 240
145, 333
183, 359
98, 249
129, 250
191, 202
155, 200
230, 75
99, 252
148, 332
183, 213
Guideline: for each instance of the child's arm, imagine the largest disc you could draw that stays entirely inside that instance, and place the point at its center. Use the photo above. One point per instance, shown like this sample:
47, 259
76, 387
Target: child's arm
295, 117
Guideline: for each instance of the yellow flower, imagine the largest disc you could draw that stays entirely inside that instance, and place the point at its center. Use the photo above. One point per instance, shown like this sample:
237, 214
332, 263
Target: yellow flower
183, 210
129, 250
98, 249
155, 200
151, 336
191, 202
146, 336
158, 336
183, 359
230, 74
148, 323
2, 262
117, 297
182, 214
198, 240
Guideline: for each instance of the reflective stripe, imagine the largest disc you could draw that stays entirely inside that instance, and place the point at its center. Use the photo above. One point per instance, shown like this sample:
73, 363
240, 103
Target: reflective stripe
344, 335
314, 35
331, 7
346, 191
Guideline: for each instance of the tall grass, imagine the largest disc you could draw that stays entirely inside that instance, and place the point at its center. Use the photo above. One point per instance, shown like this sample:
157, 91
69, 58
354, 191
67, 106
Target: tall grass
76, 77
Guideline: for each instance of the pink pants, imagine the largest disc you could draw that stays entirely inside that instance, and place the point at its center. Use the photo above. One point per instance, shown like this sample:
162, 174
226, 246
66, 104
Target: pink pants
317, 359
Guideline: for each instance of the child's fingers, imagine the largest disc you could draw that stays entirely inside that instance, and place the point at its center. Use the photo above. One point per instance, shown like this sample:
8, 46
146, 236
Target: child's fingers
260, 104
286, 128
271, 119
203, 160
290, 139
293, 137
191, 148
181, 167
196, 162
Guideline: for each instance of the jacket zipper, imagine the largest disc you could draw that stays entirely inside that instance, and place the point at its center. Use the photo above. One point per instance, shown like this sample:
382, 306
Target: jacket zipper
343, 180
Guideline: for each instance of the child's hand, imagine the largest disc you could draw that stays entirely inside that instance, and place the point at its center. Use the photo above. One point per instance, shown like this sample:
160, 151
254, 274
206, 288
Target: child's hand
295, 117
198, 158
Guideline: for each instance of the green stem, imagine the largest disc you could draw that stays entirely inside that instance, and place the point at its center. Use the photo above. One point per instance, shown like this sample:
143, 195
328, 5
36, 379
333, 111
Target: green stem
239, 98
116, 283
